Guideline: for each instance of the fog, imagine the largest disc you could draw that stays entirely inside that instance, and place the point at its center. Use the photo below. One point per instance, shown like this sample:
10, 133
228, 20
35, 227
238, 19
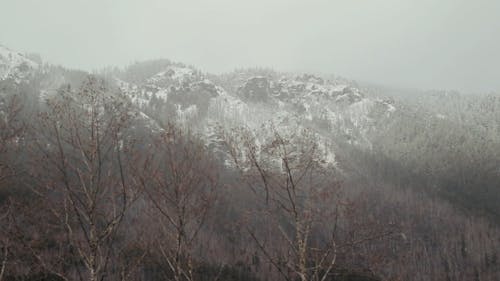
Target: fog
446, 44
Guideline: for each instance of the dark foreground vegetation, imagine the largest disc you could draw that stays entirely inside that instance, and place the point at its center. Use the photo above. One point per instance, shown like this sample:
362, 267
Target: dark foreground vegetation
90, 192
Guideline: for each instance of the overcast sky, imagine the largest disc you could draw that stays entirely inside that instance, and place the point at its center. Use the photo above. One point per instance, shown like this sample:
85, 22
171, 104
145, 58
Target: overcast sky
438, 44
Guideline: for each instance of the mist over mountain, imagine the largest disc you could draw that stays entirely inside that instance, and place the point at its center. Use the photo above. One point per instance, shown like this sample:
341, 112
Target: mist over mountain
445, 44
254, 174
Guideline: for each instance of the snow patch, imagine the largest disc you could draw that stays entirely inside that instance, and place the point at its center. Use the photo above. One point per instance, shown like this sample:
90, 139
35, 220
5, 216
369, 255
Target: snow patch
15, 66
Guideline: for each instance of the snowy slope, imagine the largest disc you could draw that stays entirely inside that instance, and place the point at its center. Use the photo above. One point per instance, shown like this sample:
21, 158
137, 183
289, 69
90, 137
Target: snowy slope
15, 66
331, 111
260, 104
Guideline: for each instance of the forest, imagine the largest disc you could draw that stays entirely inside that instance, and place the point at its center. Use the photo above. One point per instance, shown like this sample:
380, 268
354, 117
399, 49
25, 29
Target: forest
97, 185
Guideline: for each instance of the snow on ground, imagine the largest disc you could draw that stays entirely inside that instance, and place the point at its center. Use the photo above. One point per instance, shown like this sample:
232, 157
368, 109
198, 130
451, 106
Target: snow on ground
14, 65
175, 73
293, 105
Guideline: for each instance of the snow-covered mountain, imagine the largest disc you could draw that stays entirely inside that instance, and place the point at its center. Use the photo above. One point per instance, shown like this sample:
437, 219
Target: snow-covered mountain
257, 103
332, 111
15, 66
356, 130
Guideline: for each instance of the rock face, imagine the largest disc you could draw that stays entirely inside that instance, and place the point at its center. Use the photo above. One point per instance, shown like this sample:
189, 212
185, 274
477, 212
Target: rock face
256, 89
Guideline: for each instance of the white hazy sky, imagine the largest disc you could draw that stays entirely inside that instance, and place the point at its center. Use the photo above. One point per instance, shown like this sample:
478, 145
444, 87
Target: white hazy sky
439, 44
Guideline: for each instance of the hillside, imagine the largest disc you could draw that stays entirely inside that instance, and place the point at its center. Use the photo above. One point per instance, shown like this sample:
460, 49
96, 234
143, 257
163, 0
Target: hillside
423, 171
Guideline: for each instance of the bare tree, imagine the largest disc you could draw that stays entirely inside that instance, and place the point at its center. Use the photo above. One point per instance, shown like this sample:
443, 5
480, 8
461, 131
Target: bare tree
86, 151
5, 243
303, 225
181, 186
301, 203
11, 130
